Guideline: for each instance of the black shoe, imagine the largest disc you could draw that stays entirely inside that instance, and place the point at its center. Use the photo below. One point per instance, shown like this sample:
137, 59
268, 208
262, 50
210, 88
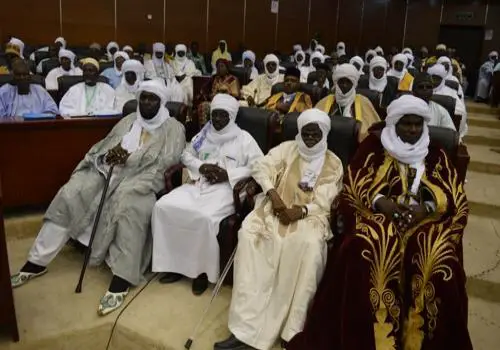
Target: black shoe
170, 277
231, 343
200, 284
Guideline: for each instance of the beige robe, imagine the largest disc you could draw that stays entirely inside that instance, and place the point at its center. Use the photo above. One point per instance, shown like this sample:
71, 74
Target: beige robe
364, 112
260, 88
277, 268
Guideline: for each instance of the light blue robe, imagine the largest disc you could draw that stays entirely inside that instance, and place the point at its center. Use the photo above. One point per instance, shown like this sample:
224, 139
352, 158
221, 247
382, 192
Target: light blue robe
37, 101
113, 77
484, 80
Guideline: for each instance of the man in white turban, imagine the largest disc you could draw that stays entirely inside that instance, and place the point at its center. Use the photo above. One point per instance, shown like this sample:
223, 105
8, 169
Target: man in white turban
358, 62
184, 70
346, 103
67, 60
133, 76
398, 274
248, 59
140, 147
115, 73
90, 97
282, 243
438, 74
320, 48
398, 70
485, 75
111, 49
259, 90
380, 51
129, 50
340, 49
186, 221
447, 63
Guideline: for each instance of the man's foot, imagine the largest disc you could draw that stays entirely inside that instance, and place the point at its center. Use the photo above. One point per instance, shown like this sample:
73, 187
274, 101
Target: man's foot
27, 273
231, 343
110, 302
170, 277
200, 284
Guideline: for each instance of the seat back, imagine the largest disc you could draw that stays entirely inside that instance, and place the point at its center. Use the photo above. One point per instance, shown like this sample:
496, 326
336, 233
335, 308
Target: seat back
447, 102
314, 92
177, 110
448, 139
129, 107
257, 122
67, 81
242, 74
8, 78
452, 84
364, 82
342, 139
372, 95
48, 65
105, 65
41, 55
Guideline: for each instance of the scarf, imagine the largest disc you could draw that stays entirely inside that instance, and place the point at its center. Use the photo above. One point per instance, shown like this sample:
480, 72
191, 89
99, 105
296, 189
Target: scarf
369, 53
315, 155
358, 60
71, 56
158, 47
272, 78
116, 55
111, 45
445, 61
374, 83
61, 41
403, 152
136, 67
439, 70
345, 100
340, 49
393, 72
301, 62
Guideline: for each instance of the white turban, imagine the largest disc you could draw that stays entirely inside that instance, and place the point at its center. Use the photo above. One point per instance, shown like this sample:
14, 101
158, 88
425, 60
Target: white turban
314, 55
398, 58
117, 54
320, 48
272, 77
297, 47
493, 54
62, 41
340, 49
358, 60
315, 155
110, 46
372, 53
158, 47
441, 47
345, 100
19, 43
131, 140
439, 70
374, 83
407, 50
128, 48
379, 51
69, 55
179, 48
404, 152
229, 104
445, 60
95, 46
410, 58
248, 54
301, 62
136, 67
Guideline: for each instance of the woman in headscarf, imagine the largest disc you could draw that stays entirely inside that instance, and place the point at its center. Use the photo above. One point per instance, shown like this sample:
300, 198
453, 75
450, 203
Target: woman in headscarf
133, 76
184, 70
248, 58
221, 82
398, 70
485, 75
186, 221
346, 103
220, 52
259, 90
114, 74
358, 62
111, 49
395, 279
282, 244
67, 60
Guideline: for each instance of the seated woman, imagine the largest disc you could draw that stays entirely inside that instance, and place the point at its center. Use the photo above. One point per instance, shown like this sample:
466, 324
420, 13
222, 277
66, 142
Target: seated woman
396, 280
346, 103
221, 82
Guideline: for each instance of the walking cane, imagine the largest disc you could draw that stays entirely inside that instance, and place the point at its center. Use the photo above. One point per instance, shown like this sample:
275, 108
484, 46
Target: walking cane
94, 229
215, 292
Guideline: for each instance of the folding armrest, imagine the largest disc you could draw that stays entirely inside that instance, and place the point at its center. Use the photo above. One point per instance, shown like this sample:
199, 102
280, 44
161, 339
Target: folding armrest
169, 176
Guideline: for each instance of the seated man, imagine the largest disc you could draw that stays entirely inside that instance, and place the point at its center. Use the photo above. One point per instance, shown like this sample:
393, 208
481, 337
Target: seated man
446, 62
320, 77
114, 74
129, 50
248, 58
140, 147
67, 60
156, 67
186, 221
282, 243
259, 90
423, 88
111, 49
133, 75
398, 70
89, 97
198, 59
358, 62
13, 50
184, 70
315, 60
22, 97
397, 279
377, 81
345, 102
291, 99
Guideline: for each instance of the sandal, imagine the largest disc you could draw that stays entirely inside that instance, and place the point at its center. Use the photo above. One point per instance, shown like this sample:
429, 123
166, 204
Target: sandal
110, 302
21, 277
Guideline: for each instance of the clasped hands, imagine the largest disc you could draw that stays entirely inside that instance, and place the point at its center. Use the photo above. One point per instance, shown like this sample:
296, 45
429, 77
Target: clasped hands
214, 173
117, 156
404, 216
285, 215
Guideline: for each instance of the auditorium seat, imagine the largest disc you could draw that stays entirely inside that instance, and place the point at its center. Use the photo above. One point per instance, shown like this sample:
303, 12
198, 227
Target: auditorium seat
49, 64
315, 93
242, 74
448, 103
105, 65
41, 55
67, 81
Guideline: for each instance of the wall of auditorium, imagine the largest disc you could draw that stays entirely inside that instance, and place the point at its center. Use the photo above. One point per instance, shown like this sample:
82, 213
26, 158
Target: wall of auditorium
359, 23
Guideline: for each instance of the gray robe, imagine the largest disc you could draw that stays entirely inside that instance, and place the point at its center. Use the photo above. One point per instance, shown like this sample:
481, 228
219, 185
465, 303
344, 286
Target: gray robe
123, 236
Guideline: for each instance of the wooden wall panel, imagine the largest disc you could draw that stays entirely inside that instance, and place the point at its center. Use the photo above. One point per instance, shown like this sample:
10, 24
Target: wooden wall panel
30, 21
186, 21
292, 24
89, 21
372, 33
226, 23
323, 23
454, 7
394, 24
419, 34
350, 24
133, 26
260, 27
493, 23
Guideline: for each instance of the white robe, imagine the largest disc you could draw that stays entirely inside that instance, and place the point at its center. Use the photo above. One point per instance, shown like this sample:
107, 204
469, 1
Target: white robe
484, 80
74, 102
440, 116
260, 88
277, 268
189, 69
122, 96
459, 107
186, 221
51, 79
177, 92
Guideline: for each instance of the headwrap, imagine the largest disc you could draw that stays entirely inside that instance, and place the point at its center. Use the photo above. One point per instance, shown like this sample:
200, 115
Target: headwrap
372, 53
310, 44
272, 78
410, 58
449, 71
358, 60
439, 70
249, 55
62, 41
407, 50
112, 44
404, 152
419, 78
115, 56
320, 48
398, 58
217, 54
345, 100
441, 47
340, 49
297, 47
424, 49
493, 54
136, 67
158, 47
90, 60
301, 62
15, 46
131, 140
95, 46
379, 50
374, 83
178, 48
70, 56
128, 48
314, 55
315, 155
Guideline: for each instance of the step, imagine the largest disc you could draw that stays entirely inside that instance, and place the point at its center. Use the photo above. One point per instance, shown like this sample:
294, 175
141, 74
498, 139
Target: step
483, 188
482, 140
484, 131
473, 107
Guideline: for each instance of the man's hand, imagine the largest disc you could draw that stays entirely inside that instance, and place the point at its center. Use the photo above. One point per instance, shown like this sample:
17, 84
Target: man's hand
414, 214
283, 107
389, 208
276, 201
117, 156
213, 173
